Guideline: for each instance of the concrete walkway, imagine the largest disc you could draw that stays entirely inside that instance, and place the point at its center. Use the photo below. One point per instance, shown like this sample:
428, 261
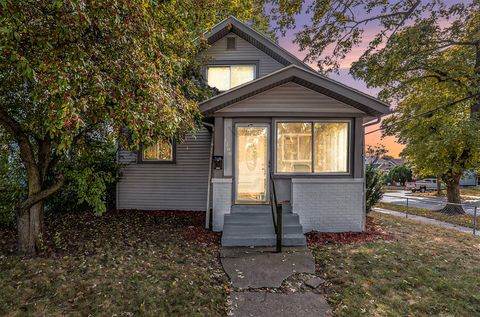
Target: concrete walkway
273, 284
428, 221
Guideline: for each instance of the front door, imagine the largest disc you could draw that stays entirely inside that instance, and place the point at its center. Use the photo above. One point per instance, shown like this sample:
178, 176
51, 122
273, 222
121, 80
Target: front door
251, 163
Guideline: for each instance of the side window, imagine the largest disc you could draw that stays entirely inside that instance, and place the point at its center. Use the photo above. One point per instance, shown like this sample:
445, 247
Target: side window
162, 151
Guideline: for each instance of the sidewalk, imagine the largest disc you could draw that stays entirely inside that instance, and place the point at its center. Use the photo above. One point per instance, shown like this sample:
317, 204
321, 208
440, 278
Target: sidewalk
273, 284
428, 221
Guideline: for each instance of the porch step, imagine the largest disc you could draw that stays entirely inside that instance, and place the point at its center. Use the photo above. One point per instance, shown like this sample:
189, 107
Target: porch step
287, 208
247, 229
252, 225
251, 218
289, 240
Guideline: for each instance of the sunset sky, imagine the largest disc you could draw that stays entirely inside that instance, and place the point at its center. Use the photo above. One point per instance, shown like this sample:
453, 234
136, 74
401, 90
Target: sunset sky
345, 78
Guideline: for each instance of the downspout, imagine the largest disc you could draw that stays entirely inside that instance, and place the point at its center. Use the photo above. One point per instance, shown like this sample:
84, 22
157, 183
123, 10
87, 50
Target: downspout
207, 213
364, 200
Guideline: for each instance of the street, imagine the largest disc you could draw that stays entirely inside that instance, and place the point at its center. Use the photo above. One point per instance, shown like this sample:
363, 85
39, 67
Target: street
399, 197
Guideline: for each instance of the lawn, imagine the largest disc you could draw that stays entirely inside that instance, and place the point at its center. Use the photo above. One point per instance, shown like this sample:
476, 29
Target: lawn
465, 220
121, 264
424, 270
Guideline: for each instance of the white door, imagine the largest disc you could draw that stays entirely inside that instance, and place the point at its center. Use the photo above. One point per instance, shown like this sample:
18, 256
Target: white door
251, 163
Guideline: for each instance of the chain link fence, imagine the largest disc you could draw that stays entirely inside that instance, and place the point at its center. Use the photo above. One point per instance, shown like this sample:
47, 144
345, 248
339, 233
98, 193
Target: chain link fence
425, 207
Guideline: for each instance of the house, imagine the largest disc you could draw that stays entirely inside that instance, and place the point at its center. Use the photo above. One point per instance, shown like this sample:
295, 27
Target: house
274, 115
470, 178
384, 164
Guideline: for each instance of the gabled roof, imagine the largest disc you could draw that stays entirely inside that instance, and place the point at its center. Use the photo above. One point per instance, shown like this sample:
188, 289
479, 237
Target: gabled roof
258, 40
301, 76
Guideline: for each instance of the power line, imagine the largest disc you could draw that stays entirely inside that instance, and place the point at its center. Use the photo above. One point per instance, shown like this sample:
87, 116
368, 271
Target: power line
426, 113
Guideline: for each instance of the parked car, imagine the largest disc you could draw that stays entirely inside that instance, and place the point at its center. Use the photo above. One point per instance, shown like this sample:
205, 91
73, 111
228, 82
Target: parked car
426, 184
410, 185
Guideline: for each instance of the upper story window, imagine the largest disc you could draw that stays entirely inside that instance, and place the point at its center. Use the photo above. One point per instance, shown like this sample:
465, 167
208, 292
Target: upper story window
229, 76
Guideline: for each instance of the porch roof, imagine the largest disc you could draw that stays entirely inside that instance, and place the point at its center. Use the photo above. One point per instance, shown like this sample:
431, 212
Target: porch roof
303, 77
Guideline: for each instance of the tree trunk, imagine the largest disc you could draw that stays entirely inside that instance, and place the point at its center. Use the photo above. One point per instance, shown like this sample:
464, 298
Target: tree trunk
30, 229
453, 196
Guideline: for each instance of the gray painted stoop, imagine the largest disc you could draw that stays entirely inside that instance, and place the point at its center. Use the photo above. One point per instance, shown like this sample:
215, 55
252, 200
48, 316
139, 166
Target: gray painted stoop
252, 225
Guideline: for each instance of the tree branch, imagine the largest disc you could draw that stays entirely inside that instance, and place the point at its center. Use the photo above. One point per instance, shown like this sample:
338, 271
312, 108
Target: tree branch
41, 195
26, 151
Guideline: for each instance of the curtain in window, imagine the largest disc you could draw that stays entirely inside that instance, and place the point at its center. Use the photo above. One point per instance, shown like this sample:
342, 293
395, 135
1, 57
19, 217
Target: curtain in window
331, 147
242, 74
160, 151
219, 77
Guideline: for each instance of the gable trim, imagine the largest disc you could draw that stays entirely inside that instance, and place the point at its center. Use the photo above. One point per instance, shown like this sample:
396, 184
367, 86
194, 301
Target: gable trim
255, 38
307, 79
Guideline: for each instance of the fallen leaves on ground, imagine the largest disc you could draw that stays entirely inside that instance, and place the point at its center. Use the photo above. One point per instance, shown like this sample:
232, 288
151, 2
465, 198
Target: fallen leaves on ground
425, 271
158, 263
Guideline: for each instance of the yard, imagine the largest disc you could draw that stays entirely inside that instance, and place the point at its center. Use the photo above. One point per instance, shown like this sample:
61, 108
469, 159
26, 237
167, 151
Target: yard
424, 270
166, 264
123, 264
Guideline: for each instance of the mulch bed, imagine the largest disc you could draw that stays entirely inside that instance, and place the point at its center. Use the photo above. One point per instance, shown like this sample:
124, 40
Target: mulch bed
372, 232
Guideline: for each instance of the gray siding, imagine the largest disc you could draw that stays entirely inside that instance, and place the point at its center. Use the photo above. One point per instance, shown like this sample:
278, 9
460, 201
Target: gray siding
177, 186
244, 52
288, 98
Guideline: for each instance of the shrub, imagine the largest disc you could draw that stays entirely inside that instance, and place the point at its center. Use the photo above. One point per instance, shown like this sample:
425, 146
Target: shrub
91, 179
374, 186
90, 176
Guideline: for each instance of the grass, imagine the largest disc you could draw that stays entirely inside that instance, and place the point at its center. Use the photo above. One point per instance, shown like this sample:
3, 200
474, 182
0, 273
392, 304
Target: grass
465, 220
424, 271
121, 264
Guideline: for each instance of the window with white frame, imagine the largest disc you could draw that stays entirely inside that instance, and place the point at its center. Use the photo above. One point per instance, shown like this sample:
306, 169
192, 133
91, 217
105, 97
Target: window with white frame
312, 147
229, 76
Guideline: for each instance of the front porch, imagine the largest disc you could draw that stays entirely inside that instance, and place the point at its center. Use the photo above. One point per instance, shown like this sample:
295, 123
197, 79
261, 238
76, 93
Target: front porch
253, 225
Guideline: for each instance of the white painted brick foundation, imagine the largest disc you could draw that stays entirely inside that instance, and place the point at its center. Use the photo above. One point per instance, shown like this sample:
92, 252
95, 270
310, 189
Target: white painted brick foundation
222, 201
329, 205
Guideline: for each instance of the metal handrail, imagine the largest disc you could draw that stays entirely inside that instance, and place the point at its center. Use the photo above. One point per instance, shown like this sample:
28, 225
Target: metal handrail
276, 214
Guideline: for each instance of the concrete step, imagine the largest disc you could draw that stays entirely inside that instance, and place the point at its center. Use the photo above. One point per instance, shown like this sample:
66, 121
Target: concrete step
251, 208
263, 240
255, 218
287, 208
247, 229
252, 225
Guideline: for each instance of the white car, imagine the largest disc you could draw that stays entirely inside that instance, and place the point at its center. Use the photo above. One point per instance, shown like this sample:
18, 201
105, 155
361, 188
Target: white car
424, 185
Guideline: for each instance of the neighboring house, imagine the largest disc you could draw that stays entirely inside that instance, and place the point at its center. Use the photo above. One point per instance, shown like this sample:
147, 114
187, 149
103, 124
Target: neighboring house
470, 178
275, 115
384, 164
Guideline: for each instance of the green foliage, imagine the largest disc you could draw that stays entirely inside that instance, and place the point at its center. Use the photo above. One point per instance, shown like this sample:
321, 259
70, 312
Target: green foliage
374, 186
400, 173
423, 55
445, 143
90, 180
12, 180
72, 70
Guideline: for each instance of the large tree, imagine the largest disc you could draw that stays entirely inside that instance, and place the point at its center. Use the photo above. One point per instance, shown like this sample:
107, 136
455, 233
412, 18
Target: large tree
73, 69
410, 45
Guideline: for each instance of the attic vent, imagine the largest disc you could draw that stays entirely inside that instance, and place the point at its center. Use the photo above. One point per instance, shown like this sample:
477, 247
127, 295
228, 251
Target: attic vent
231, 43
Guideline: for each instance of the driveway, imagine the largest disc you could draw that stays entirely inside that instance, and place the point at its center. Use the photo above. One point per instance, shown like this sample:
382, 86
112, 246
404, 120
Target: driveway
399, 197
